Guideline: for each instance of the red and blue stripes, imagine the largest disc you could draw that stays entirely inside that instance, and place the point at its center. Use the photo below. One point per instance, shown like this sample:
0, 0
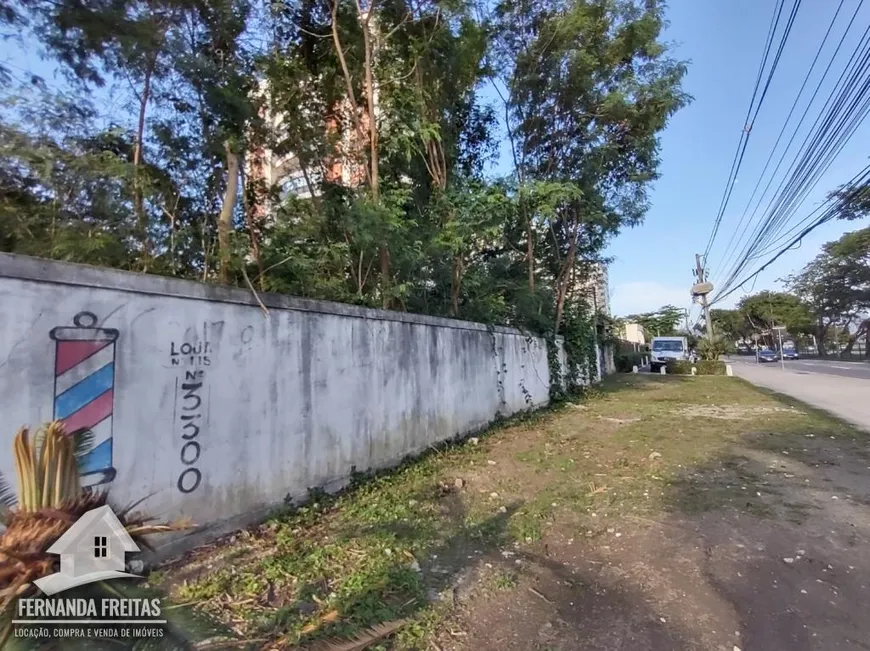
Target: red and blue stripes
84, 392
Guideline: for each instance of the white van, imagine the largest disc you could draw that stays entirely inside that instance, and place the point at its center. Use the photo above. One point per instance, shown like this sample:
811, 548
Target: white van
665, 349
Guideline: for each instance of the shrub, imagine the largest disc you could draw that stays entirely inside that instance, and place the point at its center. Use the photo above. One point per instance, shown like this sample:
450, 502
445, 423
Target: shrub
704, 366
710, 367
713, 350
625, 361
679, 367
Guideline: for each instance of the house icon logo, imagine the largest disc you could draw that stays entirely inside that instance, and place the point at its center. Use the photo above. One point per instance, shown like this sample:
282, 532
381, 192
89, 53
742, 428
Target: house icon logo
93, 549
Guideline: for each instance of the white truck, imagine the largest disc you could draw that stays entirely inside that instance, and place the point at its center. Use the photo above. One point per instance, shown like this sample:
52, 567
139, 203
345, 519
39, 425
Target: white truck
665, 349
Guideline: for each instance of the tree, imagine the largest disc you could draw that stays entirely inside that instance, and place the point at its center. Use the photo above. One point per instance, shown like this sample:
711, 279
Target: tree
733, 324
853, 201
63, 184
336, 149
767, 310
663, 322
589, 85
836, 285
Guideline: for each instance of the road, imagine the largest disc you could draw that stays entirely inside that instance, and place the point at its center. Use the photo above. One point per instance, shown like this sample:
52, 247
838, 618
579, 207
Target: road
840, 388
815, 366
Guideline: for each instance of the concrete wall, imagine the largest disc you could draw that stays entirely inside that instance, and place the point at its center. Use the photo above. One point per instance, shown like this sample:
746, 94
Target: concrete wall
218, 409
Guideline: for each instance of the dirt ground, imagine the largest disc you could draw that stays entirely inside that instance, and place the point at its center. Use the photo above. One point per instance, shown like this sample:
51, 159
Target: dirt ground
658, 514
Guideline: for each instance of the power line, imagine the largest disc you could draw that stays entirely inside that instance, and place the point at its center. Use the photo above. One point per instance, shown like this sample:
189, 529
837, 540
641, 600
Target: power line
724, 257
835, 204
809, 149
846, 107
750, 118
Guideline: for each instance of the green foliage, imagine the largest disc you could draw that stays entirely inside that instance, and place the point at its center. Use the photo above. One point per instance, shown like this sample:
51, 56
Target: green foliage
768, 309
579, 331
836, 287
394, 212
590, 85
854, 202
664, 322
732, 324
702, 367
713, 349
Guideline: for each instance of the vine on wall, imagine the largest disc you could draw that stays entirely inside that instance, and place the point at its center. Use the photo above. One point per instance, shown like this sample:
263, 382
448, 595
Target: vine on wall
578, 334
579, 338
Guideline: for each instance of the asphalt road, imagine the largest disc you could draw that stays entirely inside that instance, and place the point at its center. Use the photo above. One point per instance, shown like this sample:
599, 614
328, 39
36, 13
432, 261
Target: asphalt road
841, 389
859, 370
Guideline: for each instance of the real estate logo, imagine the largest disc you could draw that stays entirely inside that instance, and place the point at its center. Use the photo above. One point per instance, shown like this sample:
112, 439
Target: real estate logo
93, 549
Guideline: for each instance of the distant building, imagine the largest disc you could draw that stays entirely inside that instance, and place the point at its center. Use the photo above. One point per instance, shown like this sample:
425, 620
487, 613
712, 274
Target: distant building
634, 333
286, 174
597, 288
346, 165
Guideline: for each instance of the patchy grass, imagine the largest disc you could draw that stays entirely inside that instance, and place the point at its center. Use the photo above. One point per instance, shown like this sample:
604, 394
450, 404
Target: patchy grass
391, 545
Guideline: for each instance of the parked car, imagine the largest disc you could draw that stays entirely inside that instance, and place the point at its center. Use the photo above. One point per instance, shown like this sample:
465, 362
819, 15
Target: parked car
767, 355
665, 349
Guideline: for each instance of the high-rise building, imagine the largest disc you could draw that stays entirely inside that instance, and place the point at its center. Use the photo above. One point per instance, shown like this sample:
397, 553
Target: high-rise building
596, 287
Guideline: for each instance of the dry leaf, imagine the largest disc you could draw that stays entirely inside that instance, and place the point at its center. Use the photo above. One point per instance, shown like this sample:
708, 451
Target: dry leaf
327, 618
362, 640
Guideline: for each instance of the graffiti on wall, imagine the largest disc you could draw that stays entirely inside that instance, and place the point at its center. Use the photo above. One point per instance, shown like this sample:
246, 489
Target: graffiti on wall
191, 401
84, 390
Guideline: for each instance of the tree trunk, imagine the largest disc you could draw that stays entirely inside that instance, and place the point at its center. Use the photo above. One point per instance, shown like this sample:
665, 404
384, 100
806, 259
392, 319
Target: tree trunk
456, 282
820, 341
564, 277
374, 162
530, 254
386, 301
251, 201
138, 195
853, 339
225, 219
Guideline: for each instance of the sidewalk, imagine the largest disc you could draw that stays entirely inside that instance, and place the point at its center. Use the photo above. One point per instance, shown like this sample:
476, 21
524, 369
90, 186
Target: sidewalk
845, 397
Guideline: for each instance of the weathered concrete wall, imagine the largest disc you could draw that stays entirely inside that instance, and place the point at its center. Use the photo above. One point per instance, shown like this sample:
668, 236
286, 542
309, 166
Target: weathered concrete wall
219, 409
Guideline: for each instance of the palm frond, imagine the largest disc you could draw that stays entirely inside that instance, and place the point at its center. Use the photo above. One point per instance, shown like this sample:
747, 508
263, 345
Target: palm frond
127, 510
185, 627
83, 442
360, 641
50, 500
7, 494
48, 475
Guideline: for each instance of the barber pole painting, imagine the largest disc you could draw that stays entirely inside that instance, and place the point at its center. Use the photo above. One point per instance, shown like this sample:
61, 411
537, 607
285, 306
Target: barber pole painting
84, 390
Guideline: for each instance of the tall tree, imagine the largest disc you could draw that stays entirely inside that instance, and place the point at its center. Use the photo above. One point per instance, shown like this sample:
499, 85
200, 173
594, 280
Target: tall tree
732, 324
768, 309
836, 286
664, 322
590, 85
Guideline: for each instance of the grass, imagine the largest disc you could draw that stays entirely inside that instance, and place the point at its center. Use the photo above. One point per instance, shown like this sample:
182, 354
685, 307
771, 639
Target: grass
388, 547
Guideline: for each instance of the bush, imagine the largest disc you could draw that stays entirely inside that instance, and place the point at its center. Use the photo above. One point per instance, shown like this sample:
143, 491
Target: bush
704, 366
625, 361
710, 367
713, 350
679, 367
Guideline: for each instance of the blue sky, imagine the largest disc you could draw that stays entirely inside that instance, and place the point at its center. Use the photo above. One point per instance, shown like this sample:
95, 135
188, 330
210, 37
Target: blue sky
724, 39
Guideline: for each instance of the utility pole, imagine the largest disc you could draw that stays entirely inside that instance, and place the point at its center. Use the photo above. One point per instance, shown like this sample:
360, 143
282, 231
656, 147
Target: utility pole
700, 289
779, 330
